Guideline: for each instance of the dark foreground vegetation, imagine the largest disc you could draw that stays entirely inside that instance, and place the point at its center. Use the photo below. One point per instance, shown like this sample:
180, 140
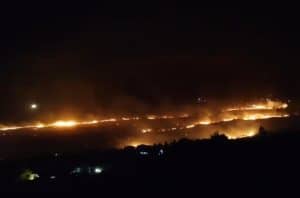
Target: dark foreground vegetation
266, 163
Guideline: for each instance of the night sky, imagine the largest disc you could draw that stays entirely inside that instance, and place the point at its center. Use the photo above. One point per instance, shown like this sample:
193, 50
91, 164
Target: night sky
90, 57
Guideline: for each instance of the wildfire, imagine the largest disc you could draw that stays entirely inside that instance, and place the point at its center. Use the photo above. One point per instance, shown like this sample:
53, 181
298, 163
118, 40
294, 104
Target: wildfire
146, 130
74, 123
190, 126
137, 143
228, 119
165, 117
242, 134
267, 105
257, 111
260, 116
11, 128
109, 120
40, 126
56, 124
61, 123
205, 122
151, 117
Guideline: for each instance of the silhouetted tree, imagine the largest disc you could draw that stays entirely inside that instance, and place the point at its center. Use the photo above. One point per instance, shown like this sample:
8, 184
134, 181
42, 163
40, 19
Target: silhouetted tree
262, 131
218, 137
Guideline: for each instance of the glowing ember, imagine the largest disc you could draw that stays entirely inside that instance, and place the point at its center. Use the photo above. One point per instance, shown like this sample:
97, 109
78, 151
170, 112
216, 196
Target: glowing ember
205, 122
167, 117
109, 120
190, 126
228, 119
90, 122
151, 117
40, 126
184, 116
146, 130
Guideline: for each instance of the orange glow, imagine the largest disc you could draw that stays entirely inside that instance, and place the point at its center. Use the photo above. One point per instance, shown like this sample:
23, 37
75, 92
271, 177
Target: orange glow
151, 117
167, 117
134, 144
10, 128
128, 119
146, 130
61, 123
205, 122
109, 120
268, 105
40, 126
190, 126
137, 143
243, 134
251, 112
260, 116
184, 115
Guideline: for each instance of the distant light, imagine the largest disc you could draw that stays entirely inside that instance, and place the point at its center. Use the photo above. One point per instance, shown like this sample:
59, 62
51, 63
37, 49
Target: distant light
28, 175
33, 176
184, 115
144, 153
76, 171
201, 100
151, 117
161, 152
52, 177
284, 106
33, 106
146, 130
98, 170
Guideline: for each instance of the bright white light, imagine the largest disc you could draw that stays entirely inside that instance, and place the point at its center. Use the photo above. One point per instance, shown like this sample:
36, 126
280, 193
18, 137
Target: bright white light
161, 152
33, 176
33, 106
98, 170
61, 123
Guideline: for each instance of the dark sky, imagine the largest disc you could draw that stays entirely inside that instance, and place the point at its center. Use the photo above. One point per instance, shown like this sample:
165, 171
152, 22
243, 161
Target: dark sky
86, 56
